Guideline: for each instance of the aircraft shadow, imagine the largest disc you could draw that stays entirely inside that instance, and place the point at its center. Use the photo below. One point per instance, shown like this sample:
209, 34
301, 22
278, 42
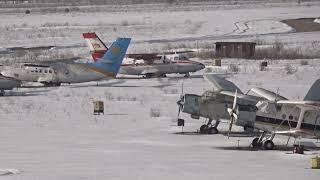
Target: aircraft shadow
225, 133
27, 93
105, 84
170, 77
276, 148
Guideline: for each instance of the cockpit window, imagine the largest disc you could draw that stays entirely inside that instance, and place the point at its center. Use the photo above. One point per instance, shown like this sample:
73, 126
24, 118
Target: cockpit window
183, 57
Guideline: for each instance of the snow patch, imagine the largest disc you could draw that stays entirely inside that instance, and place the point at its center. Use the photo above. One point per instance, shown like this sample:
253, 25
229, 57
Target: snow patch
6, 172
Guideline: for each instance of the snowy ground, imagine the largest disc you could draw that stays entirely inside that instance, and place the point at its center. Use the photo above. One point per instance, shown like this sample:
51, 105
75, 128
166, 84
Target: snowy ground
51, 133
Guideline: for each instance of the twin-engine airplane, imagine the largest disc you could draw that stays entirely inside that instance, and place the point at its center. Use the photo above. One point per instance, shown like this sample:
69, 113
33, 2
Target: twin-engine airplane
55, 73
268, 112
148, 65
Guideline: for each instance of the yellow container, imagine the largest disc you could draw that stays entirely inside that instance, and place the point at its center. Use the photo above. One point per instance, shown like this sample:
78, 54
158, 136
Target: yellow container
98, 107
315, 163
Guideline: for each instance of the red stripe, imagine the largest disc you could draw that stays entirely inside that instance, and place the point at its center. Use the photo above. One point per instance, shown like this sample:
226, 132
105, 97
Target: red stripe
89, 35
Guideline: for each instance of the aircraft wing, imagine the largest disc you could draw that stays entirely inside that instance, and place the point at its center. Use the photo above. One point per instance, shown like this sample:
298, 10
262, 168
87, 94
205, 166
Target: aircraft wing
221, 84
306, 104
153, 56
295, 133
269, 95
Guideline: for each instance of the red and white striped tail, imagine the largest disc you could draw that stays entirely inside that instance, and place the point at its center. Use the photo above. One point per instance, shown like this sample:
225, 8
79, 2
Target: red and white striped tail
96, 46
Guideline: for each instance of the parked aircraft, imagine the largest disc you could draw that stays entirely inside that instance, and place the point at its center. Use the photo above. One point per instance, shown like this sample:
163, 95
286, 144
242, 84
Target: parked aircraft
214, 104
7, 83
55, 73
268, 112
149, 64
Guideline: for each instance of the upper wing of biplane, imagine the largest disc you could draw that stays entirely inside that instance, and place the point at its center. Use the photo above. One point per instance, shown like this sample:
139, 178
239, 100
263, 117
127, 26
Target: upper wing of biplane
269, 95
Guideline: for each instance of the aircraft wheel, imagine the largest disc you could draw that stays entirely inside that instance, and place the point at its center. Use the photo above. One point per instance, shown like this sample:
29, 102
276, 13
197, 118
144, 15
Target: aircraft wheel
148, 75
187, 75
203, 129
268, 145
212, 130
255, 143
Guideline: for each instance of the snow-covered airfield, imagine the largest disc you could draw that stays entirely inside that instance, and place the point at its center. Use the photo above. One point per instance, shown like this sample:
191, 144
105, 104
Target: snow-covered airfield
51, 133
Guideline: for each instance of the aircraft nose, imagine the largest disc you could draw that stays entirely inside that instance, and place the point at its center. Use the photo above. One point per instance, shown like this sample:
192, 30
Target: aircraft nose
180, 102
201, 66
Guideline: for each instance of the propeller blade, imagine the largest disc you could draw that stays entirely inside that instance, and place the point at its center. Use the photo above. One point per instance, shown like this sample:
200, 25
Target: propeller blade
234, 100
179, 112
230, 126
182, 88
235, 116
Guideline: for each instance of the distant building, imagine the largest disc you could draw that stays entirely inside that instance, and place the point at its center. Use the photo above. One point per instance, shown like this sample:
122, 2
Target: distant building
235, 49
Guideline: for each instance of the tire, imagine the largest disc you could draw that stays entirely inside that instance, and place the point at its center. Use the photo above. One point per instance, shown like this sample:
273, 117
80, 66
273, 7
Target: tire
255, 143
212, 130
268, 145
148, 76
203, 129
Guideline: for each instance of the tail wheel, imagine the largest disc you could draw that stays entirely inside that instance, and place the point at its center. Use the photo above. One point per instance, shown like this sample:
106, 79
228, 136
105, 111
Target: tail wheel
255, 143
268, 145
203, 129
212, 130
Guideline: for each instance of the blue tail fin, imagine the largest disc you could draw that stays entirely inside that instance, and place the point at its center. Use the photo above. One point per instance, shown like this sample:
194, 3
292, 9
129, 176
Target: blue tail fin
112, 59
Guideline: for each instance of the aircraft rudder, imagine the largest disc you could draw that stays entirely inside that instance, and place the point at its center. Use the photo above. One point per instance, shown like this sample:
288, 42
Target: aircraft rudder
314, 92
116, 53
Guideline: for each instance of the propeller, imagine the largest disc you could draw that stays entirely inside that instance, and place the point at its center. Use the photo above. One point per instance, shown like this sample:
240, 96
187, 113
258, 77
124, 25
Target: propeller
180, 102
233, 113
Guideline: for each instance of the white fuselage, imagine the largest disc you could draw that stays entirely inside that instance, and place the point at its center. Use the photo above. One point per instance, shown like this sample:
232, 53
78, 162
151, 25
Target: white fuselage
54, 73
181, 67
273, 117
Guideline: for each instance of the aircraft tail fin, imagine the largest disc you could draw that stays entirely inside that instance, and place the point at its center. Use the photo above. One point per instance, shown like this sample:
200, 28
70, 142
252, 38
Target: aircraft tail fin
314, 92
114, 56
95, 44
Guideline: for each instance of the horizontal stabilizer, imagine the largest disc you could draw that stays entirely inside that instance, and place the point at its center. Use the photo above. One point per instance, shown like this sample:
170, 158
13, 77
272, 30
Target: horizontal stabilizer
269, 95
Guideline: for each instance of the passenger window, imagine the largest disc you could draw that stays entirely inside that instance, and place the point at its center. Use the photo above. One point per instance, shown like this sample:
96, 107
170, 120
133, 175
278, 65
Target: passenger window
290, 117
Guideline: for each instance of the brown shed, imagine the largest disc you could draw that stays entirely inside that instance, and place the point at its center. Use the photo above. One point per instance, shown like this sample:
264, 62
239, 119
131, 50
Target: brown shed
235, 49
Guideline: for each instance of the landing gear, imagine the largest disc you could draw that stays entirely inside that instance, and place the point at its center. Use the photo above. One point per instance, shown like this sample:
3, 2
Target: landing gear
298, 149
163, 75
2, 93
187, 75
209, 128
263, 141
51, 84
149, 75
268, 145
